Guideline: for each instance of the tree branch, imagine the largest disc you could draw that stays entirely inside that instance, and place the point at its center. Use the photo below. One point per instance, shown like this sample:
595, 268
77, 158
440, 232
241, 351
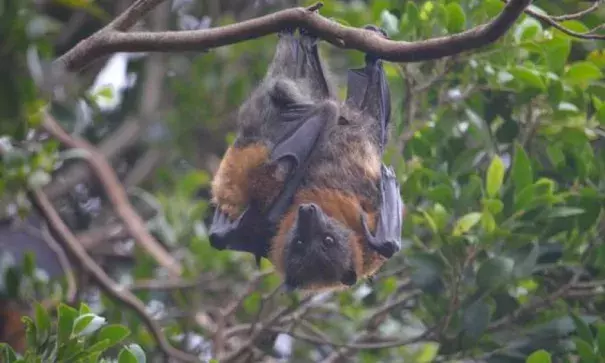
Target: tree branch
105, 282
108, 40
117, 195
554, 22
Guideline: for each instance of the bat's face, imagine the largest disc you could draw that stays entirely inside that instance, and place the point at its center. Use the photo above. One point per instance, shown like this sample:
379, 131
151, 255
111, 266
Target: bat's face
318, 250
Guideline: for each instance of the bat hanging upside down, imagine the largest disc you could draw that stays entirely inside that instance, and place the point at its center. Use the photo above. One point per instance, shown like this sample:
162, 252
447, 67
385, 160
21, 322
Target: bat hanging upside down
303, 184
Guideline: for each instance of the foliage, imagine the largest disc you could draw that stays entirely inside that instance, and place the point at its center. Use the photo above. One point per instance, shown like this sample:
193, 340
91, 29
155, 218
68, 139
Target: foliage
501, 157
75, 336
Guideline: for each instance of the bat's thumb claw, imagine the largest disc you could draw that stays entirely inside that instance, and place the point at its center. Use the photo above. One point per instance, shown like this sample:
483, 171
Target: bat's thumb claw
388, 249
217, 241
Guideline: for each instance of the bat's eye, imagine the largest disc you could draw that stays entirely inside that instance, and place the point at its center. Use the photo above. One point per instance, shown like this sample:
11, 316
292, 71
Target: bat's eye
299, 242
328, 239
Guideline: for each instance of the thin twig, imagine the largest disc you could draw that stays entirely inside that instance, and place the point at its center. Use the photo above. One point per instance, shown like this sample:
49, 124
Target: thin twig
579, 14
225, 314
533, 307
554, 23
105, 282
43, 233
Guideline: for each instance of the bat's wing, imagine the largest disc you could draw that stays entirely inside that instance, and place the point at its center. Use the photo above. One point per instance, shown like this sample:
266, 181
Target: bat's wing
357, 85
387, 237
368, 90
296, 148
251, 232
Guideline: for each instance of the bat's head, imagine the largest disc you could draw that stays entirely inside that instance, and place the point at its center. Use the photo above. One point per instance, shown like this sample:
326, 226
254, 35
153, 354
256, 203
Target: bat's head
318, 250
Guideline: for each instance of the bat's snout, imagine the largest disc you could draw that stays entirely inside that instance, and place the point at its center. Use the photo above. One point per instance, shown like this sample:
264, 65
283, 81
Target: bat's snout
307, 209
308, 218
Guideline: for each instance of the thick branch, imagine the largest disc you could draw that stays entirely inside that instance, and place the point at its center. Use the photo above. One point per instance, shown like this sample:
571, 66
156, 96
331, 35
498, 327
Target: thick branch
107, 41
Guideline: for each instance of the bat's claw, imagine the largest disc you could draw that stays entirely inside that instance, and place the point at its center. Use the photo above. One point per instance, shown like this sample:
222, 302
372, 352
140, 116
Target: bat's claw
387, 237
286, 31
371, 58
223, 231
376, 29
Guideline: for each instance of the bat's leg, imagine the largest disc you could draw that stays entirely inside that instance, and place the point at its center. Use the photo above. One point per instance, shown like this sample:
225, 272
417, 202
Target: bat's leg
387, 237
287, 55
312, 68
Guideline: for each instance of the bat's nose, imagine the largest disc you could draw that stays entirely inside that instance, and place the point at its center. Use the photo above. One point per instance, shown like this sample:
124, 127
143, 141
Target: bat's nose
307, 219
307, 209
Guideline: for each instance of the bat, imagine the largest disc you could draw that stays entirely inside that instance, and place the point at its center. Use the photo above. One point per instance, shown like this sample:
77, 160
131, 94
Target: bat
303, 183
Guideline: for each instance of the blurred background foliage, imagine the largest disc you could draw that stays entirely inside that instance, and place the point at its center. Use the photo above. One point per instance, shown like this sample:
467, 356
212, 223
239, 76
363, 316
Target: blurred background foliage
500, 153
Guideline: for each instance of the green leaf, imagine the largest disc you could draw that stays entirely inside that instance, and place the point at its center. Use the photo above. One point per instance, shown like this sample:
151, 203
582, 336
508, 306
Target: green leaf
582, 73
601, 114
582, 328
114, 333
527, 29
495, 206
427, 269
585, 351
488, 221
84, 309
521, 170
87, 324
495, 272
100, 346
427, 353
105, 92
412, 13
597, 57
601, 339
30, 332
495, 176
465, 223
29, 264
126, 356
192, 182
66, 317
456, 18
252, 302
573, 25
12, 280
560, 212
390, 22
138, 352
528, 77
7, 353
556, 51
476, 319
525, 265
539, 356
43, 323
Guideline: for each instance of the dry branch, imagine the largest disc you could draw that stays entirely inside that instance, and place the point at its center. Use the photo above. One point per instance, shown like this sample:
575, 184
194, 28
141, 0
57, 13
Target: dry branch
112, 39
105, 282
116, 194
